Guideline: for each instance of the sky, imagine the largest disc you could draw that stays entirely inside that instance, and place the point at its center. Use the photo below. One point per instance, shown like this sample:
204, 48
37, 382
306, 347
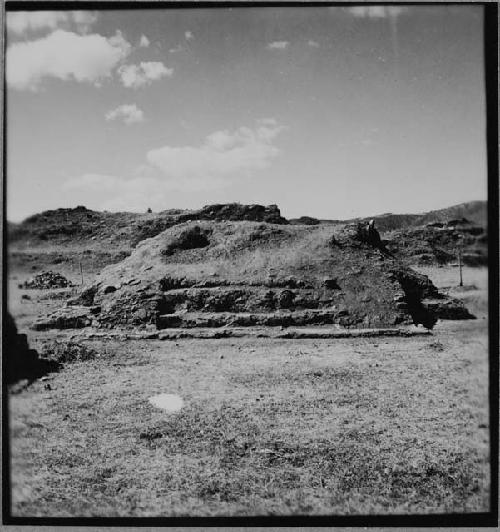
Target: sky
332, 112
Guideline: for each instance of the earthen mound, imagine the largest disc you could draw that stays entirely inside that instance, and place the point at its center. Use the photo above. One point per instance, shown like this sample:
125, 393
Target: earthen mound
238, 212
119, 231
151, 227
211, 274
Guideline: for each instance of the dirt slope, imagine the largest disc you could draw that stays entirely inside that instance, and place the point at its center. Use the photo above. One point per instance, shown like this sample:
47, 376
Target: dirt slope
70, 238
82, 225
210, 274
439, 242
74, 237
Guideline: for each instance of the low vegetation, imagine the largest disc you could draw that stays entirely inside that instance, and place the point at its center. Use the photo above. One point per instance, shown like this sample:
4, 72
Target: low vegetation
64, 352
268, 427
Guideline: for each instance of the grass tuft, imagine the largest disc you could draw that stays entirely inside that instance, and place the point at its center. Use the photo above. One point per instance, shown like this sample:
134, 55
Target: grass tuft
67, 352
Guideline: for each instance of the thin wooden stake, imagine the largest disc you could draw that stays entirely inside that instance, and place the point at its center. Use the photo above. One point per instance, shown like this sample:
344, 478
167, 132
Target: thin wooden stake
81, 271
460, 265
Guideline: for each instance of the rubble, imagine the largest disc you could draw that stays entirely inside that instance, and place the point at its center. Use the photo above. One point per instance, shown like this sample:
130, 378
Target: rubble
65, 318
438, 243
46, 281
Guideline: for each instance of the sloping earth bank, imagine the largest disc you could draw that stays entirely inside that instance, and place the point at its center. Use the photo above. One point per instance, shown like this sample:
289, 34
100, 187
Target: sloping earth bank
212, 274
439, 243
81, 239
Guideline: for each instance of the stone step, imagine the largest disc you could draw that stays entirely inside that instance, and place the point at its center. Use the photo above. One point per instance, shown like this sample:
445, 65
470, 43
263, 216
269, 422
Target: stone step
295, 333
220, 319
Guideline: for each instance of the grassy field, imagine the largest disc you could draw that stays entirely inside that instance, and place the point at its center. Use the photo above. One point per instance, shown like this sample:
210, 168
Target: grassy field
351, 426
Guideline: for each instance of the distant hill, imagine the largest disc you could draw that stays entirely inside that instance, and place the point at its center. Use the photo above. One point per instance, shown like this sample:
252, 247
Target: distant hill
473, 211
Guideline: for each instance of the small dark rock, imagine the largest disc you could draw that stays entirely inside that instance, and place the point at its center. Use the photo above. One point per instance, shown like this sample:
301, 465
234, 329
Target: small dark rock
285, 299
331, 283
150, 435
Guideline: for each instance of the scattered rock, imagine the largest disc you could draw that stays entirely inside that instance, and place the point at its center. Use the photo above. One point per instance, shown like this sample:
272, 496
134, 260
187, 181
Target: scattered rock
285, 299
436, 243
436, 346
66, 318
451, 309
150, 435
331, 283
86, 296
47, 280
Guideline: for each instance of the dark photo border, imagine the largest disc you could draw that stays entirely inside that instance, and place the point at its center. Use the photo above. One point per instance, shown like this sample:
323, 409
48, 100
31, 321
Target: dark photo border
435, 520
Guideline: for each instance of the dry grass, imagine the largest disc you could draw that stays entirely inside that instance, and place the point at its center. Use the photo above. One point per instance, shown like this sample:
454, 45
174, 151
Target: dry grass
353, 426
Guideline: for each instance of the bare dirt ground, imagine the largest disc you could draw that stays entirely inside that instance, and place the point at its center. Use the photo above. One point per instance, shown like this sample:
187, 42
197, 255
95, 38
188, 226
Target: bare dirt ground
344, 426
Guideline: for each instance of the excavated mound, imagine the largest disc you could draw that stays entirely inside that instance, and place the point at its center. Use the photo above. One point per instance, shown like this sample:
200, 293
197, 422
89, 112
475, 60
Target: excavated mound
212, 274
216, 212
121, 229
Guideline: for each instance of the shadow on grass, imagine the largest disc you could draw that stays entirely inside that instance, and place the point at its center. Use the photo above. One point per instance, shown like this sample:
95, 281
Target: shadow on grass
23, 363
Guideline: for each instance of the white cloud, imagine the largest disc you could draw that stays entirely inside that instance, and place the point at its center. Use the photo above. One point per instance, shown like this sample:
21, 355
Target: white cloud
84, 19
136, 76
64, 55
376, 12
278, 45
93, 182
116, 193
144, 42
19, 22
224, 154
129, 113
23, 21
313, 44
188, 35
136, 194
